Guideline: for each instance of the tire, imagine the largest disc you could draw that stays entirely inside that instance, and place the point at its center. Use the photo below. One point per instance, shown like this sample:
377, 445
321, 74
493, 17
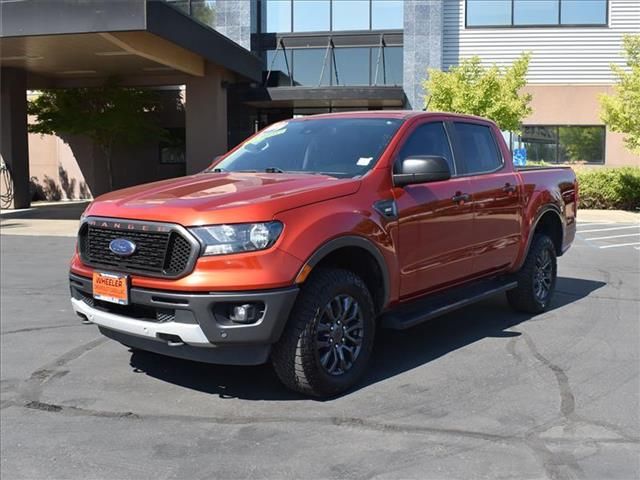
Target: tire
536, 279
326, 345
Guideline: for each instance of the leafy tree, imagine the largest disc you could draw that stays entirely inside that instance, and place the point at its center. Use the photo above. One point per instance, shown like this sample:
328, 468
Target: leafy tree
109, 115
491, 92
621, 111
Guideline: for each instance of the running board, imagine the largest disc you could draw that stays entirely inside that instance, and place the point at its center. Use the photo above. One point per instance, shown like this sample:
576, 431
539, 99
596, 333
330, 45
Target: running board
418, 311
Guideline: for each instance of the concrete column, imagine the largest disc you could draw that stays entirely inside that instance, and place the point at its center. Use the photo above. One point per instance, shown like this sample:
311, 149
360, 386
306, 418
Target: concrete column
14, 144
423, 35
206, 119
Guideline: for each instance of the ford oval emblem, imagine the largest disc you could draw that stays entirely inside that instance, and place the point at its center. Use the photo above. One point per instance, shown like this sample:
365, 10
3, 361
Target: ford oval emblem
122, 247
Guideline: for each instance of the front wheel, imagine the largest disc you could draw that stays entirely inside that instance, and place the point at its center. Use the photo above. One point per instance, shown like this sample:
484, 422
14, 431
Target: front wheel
327, 342
536, 279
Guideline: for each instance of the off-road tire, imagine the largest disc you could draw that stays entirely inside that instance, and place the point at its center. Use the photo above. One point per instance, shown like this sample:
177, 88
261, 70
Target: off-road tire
523, 298
295, 356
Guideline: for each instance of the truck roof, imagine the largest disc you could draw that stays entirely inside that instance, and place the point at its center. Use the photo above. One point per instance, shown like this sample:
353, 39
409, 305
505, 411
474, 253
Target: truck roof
399, 114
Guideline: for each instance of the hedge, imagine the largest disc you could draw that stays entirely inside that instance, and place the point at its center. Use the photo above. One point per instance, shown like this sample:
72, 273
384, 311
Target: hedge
609, 188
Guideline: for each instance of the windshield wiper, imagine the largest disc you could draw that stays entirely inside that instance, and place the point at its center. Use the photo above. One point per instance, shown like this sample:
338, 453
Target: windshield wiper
273, 170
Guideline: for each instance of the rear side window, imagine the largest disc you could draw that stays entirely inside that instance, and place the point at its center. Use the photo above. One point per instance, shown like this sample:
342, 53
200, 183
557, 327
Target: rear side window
428, 139
478, 147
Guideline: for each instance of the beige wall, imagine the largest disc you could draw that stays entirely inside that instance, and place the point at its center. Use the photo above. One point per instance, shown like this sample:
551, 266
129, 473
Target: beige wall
54, 171
71, 167
577, 105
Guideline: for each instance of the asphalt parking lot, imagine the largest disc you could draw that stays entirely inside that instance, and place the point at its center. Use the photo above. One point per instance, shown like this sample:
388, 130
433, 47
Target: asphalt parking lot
480, 393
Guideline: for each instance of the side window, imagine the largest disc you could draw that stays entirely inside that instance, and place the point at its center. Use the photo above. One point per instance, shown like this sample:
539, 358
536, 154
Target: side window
428, 139
478, 147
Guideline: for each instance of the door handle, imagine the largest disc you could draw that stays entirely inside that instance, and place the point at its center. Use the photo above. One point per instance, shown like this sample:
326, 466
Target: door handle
509, 188
461, 198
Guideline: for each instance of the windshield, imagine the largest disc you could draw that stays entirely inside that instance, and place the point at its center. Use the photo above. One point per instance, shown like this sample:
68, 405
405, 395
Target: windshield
341, 147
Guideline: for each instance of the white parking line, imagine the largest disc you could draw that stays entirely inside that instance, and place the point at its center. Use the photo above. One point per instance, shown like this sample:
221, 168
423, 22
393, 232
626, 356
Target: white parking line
608, 229
614, 236
620, 245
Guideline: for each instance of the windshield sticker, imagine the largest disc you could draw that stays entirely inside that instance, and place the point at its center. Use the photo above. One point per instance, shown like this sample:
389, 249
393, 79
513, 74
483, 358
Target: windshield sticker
364, 161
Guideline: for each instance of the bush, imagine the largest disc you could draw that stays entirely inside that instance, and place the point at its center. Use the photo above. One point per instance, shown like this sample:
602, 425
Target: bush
610, 188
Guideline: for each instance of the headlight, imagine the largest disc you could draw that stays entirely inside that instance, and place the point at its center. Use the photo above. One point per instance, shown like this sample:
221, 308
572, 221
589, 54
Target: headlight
244, 237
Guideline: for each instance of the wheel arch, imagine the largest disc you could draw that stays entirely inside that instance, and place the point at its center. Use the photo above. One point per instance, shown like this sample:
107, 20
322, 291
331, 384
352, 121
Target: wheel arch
549, 221
359, 255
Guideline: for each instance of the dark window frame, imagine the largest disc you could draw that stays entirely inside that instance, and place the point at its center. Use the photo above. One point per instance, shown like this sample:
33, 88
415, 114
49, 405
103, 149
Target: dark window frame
544, 25
557, 149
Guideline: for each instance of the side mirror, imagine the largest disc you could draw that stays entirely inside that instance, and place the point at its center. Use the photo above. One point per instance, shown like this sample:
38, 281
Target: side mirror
421, 169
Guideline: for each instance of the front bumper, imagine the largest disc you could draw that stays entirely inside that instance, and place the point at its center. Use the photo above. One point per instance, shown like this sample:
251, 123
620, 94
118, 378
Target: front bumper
177, 323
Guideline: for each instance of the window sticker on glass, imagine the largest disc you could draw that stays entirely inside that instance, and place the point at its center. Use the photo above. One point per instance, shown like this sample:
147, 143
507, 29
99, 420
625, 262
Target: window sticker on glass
364, 161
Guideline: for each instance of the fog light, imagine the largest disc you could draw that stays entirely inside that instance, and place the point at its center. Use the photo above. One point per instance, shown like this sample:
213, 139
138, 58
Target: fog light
246, 313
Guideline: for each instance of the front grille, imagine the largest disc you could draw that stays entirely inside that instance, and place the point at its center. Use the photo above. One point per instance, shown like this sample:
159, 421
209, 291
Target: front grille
139, 312
164, 253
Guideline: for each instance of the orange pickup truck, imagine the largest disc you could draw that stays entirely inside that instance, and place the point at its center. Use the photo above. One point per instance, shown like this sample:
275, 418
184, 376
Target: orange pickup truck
305, 241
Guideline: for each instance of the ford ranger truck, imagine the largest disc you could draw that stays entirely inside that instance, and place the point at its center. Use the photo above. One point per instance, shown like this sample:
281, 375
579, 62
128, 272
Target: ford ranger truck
301, 243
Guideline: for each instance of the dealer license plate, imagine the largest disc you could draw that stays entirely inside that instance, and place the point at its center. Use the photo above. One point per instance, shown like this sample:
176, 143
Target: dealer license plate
111, 287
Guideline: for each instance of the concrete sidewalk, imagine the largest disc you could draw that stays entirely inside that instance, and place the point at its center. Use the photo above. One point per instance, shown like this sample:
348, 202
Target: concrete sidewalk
608, 216
60, 219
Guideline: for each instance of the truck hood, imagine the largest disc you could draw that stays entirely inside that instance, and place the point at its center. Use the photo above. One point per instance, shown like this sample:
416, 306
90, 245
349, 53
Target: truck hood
210, 198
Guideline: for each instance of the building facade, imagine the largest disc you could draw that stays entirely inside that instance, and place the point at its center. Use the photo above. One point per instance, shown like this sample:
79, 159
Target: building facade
320, 56
370, 48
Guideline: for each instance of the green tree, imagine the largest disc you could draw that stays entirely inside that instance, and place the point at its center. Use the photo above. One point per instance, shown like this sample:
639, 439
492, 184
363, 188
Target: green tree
491, 92
621, 111
109, 115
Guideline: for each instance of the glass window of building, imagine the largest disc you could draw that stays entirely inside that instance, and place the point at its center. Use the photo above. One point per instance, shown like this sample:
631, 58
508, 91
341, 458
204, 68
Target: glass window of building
536, 12
579, 12
387, 14
279, 61
581, 144
307, 67
204, 11
563, 144
350, 15
276, 16
488, 12
389, 71
311, 15
352, 66
515, 13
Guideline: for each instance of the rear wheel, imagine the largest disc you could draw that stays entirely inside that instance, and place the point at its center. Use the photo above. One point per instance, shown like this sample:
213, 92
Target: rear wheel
536, 279
327, 343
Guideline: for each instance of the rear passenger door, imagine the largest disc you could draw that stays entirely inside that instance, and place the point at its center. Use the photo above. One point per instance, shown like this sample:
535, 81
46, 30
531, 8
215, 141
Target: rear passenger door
495, 195
435, 228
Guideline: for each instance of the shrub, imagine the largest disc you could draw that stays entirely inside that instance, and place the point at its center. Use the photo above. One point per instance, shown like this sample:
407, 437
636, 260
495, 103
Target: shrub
610, 188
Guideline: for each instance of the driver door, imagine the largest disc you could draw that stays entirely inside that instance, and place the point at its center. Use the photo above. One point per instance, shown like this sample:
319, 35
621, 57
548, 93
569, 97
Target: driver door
435, 226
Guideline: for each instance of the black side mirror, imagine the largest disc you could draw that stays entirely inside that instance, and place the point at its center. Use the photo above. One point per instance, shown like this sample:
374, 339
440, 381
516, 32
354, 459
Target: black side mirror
421, 169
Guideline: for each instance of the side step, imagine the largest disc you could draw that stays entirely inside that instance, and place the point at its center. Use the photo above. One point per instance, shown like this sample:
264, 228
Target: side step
421, 310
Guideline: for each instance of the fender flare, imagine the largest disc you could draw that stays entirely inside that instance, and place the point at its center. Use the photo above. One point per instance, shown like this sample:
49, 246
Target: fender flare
359, 242
545, 209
